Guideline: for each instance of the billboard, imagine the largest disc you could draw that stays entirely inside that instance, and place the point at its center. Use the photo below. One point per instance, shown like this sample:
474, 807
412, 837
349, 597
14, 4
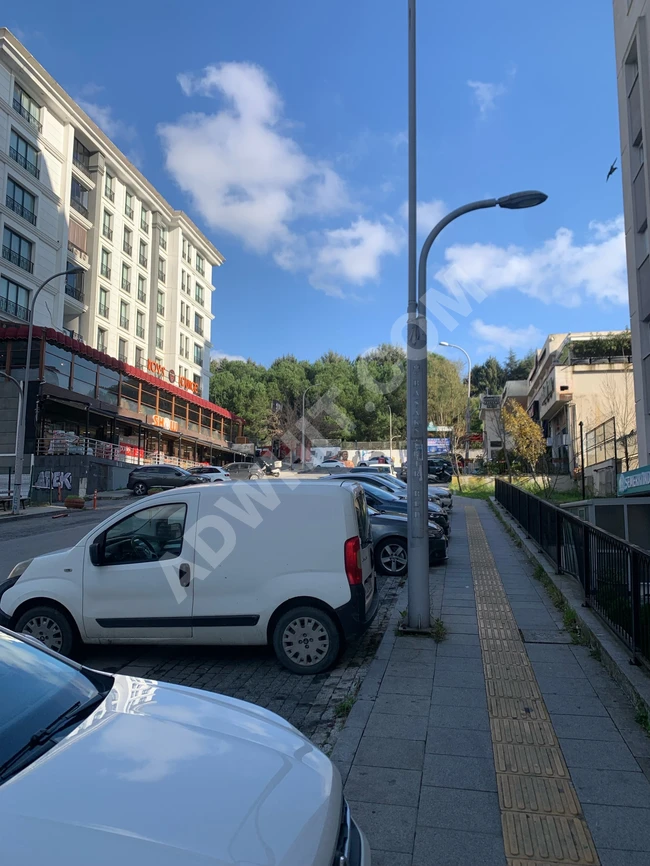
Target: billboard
438, 446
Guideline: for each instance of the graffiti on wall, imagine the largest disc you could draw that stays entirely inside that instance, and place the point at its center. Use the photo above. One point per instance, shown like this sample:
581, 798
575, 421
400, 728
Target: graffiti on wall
47, 478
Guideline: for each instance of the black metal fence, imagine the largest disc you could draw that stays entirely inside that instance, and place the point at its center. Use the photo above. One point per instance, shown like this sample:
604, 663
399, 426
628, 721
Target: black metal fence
614, 574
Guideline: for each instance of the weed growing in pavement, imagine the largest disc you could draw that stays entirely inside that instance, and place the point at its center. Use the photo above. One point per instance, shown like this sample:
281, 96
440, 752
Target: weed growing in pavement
595, 653
438, 630
642, 718
343, 709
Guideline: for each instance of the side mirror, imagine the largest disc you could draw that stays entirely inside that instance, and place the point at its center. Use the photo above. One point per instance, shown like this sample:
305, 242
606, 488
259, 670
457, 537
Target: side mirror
95, 553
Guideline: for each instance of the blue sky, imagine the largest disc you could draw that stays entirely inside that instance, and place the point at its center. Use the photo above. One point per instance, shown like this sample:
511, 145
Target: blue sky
280, 128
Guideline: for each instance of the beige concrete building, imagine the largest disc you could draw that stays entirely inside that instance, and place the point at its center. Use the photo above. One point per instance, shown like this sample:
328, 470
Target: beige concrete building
68, 194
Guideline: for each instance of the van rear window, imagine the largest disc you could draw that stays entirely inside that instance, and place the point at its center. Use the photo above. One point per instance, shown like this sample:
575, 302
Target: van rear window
363, 521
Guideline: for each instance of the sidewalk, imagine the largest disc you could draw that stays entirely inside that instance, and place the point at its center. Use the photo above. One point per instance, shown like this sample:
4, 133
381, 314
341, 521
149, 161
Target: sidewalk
489, 749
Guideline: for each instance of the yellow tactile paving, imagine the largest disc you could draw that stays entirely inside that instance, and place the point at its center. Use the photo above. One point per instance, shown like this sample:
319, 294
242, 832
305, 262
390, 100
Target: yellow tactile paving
541, 814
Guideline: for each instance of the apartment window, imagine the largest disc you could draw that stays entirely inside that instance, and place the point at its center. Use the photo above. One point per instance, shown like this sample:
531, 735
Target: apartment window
142, 289
198, 294
197, 380
139, 324
124, 315
198, 354
81, 156
79, 197
105, 264
14, 299
160, 306
101, 340
200, 264
159, 337
185, 256
144, 220
21, 151
182, 314
142, 257
162, 237
17, 250
182, 347
139, 358
107, 225
74, 285
198, 324
128, 204
122, 350
184, 280
109, 187
127, 243
102, 306
187, 347
162, 270
21, 201
126, 277
27, 107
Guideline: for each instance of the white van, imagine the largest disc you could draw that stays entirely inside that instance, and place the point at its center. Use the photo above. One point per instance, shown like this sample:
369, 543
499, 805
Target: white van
242, 563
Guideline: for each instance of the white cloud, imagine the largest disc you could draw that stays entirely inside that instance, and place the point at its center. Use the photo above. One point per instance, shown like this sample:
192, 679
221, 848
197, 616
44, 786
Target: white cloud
248, 177
428, 214
485, 94
500, 337
558, 271
218, 355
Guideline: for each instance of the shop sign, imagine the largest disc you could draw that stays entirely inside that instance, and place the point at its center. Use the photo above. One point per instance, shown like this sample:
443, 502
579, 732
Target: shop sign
165, 423
161, 371
635, 481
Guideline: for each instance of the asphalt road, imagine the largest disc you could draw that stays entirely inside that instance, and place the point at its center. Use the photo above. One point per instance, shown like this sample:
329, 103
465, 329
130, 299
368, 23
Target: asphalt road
31, 536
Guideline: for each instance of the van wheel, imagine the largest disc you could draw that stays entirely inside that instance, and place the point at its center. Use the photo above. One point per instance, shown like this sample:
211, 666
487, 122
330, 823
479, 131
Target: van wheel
391, 557
50, 626
306, 640
139, 488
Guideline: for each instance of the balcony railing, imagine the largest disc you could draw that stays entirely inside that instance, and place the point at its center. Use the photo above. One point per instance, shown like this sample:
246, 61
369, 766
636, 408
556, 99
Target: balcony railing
16, 259
75, 293
103, 310
126, 285
81, 163
200, 269
142, 296
16, 207
162, 242
161, 275
198, 329
159, 343
128, 248
143, 260
161, 309
198, 360
74, 335
24, 162
107, 232
139, 331
122, 356
144, 226
128, 211
105, 271
109, 193
198, 297
79, 206
13, 309
26, 113
101, 347
124, 323
139, 363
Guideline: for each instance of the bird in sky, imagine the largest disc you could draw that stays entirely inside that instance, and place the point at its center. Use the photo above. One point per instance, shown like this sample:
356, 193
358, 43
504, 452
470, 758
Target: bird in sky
612, 169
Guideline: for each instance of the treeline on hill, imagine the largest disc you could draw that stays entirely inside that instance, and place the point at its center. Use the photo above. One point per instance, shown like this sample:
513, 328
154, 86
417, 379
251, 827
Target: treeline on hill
347, 399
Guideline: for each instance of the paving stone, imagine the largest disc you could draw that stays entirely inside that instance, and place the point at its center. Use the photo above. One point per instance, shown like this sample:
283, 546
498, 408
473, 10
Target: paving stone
403, 705
568, 668
359, 714
411, 669
455, 771
460, 609
460, 651
463, 742
459, 809
574, 705
426, 655
387, 752
462, 679
401, 727
457, 697
600, 728
383, 785
610, 857
390, 858
420, 686
453, 664
443, 716
593, 755
410, 642
552, 685
619, 827
347, 744
611, 787
388, 828
555, 653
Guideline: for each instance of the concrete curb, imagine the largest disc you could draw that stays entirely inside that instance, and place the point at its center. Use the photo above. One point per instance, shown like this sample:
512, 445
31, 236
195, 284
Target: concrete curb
615, 657
25, 515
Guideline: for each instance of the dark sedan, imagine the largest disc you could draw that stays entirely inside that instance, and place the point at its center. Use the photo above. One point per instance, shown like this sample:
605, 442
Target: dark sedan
143, 478
389, 538
392, 484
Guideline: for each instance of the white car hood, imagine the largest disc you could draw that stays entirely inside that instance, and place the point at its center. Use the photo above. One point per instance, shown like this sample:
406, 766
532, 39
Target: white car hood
168, 776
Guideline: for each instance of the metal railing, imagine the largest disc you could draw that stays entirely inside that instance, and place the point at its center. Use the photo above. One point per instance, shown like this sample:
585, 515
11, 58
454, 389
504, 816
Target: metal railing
13, 309
107, 231
80, 207
23, 162
142, 296
109, 193
128, 211
128, 248
162, 242
614, 574
75, 293
103, 310
126, 285
144, 226
124, 323
105, 271
82, 163
16, 259
22, 211
139, 331
143, 260
27, 115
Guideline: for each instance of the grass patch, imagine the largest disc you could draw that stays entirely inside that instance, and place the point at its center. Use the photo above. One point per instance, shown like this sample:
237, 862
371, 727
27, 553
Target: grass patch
438, 630
343, 709
473, 487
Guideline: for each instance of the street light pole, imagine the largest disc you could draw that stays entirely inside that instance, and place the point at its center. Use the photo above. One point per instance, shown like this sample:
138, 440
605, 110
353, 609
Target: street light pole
469, 397
22, 409
304, 394
390, 435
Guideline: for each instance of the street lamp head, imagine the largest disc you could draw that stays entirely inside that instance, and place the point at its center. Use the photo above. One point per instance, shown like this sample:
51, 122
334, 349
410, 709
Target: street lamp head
518, 200
444, 343
75, 269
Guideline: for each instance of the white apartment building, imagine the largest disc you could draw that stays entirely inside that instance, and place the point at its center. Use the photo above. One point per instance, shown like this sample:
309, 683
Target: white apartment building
69, 195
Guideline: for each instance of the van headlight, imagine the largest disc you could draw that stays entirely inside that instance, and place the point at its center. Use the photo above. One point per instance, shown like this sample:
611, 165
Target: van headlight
19, 569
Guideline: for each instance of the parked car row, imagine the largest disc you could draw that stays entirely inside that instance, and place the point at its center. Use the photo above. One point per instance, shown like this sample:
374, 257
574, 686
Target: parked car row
166, 475
440, 469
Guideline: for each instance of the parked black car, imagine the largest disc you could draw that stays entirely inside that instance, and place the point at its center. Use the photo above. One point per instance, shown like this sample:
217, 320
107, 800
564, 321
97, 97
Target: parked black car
142, 478
389, 483
382, 500
245, 470
439, 469
389, 538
